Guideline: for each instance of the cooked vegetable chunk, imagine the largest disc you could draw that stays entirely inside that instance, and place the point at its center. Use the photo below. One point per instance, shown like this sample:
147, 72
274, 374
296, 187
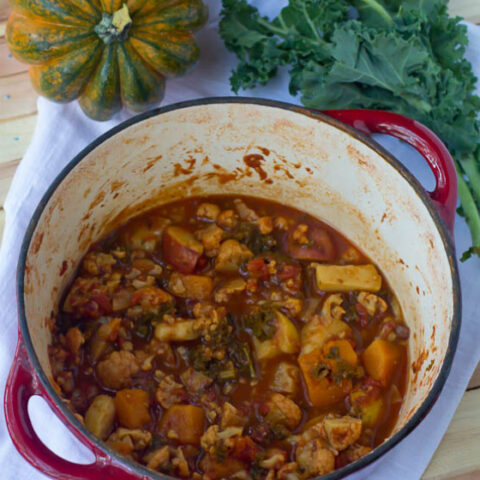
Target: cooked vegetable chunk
181, 249
286, 379
100, 416
323, 391
285, 339
231, 255
144, 233
150, 299
369, 406
126, 440
322, 328
132, 408
310, 243
381, 359
208, 211
315, 458
198, 287
229, 288
183, 424
283, 411
178, 331
342, 278
211, 237
342, 432
231, 417
117, 369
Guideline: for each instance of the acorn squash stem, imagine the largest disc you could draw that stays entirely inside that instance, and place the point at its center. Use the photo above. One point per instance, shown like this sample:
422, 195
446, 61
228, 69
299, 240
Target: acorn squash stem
114, 28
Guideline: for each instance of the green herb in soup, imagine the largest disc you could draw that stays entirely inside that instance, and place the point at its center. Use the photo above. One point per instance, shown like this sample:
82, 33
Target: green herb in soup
231, 337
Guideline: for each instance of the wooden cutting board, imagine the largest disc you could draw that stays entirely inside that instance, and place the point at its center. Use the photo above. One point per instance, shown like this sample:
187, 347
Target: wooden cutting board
457, 457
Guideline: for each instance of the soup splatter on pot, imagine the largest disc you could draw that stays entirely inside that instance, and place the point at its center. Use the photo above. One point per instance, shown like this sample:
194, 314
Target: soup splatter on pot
231, 337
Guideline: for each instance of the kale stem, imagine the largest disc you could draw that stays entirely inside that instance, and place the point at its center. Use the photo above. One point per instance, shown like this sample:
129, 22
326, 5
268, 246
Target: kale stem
469, 166
374, 5
269, 26
310, 23
470, 211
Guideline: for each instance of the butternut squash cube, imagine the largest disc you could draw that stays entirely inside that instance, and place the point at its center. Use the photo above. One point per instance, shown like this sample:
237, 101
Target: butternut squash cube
340, 350
132, 407
322, 390
381, 359
183, 424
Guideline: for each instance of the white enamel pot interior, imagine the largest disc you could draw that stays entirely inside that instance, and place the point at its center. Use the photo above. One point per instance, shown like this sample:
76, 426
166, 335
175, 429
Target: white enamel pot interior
314, 164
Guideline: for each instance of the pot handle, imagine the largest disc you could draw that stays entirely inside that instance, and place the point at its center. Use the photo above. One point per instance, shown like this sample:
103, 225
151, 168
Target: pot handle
423, 140
22, 384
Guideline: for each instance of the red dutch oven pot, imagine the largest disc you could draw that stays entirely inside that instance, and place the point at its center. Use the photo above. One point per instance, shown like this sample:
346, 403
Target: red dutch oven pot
277, 125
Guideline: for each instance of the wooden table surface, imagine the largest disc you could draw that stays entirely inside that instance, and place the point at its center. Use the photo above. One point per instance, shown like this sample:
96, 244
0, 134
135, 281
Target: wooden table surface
458, 456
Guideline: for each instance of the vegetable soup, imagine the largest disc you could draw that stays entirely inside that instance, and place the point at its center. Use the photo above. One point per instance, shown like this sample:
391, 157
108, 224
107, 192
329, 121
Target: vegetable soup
231, 337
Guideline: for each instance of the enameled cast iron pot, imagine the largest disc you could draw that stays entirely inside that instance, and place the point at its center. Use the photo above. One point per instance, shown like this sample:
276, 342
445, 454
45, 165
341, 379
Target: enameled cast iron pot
311, 161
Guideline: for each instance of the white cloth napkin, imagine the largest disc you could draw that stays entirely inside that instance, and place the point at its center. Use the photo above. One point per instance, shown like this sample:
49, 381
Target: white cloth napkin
62, 131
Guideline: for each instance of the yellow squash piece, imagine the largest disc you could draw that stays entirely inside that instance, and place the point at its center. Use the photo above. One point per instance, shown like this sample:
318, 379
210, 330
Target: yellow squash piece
369, 408
285, 340
344, 278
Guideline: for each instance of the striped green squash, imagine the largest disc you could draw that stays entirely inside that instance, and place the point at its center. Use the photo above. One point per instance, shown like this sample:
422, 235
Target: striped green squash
105, 53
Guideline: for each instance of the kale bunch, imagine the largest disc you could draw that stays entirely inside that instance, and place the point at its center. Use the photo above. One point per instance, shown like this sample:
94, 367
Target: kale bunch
405, 56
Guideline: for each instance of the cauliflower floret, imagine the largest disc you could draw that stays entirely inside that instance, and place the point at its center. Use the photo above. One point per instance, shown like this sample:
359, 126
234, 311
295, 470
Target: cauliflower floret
231, 417
283, 411
229, 288
180, 464
177, 329
265, 225
169, 392
288, 472
98, 263
209, 438
117, 369
313, 432
214, 437
342, 432
300, 234
314, 458
158, 458
74, 339
195, 381
197, 287
286, 379
331, 308
372, 303
150, 299
127, 440
208, 211
210, 237
274, 458
227, 219
355, 452
231, 255
245, 213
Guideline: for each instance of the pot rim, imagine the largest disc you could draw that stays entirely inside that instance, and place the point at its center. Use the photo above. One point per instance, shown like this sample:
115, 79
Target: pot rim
447, 240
